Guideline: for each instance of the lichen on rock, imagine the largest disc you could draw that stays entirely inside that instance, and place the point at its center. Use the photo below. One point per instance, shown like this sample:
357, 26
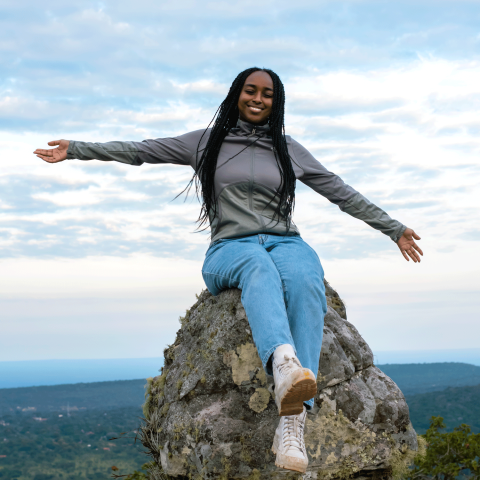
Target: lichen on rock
211, 413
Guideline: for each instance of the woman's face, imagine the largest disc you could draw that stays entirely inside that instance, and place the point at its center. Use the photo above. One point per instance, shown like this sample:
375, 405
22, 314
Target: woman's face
256, 98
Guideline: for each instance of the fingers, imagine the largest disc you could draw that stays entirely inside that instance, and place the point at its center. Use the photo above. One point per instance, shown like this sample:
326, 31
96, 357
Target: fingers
414, 256
415, 236
418, 249
41, 151
410, 252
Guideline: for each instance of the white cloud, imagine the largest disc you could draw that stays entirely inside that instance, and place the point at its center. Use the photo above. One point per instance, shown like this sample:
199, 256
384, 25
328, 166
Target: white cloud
399, 163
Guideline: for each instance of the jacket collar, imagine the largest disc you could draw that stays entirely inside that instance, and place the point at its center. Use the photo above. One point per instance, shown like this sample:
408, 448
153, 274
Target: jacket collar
245, 129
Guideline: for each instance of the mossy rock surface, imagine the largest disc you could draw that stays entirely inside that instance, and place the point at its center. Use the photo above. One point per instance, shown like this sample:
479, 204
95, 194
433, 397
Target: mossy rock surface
211, 414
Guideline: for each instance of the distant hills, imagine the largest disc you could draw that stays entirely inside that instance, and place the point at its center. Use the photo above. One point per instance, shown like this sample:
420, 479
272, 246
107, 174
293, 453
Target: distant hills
416, 378
451, 390
80, 396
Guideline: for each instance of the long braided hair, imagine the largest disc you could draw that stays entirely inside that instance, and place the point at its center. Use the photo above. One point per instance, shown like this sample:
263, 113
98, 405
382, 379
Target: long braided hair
226, 118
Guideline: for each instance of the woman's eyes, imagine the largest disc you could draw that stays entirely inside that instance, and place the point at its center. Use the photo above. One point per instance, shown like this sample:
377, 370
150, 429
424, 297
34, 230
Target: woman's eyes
252, 92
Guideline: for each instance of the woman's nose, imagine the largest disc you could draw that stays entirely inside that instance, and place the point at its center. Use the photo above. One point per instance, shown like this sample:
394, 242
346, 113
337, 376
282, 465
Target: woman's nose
258, 98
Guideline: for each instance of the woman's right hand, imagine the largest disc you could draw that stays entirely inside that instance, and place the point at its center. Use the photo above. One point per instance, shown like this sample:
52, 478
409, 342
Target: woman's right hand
54, 155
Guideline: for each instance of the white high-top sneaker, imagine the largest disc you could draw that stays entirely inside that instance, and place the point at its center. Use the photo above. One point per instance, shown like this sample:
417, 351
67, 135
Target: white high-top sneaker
289, 445
293, 383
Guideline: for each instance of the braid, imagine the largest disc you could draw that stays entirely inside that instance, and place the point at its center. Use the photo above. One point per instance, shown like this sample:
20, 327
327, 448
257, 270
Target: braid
286, 191
226, 118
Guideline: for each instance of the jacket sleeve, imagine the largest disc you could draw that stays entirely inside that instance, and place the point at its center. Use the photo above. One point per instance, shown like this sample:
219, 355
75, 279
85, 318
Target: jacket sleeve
176, 150
331, 186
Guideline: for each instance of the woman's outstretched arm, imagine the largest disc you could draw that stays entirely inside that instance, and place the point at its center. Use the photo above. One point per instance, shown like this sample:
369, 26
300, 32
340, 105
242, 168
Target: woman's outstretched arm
179, 150
331, 186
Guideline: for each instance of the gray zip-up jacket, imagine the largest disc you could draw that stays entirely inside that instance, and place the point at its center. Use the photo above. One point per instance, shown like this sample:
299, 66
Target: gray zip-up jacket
245, 181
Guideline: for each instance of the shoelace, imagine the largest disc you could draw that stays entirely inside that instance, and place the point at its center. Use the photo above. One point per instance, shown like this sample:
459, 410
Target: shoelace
293, 431
290, 363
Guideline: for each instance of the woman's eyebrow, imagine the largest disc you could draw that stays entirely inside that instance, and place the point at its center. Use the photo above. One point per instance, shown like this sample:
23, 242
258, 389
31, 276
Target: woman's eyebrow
255, 86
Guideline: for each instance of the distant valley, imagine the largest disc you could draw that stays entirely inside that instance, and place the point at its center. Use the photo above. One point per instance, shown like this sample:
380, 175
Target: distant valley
413, 378
48, 430
79, 396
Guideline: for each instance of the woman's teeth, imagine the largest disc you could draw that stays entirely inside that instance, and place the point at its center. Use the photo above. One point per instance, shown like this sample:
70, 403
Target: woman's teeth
255, 109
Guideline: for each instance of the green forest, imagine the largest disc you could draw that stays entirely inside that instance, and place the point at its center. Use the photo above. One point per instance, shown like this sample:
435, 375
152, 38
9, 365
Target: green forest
455, 405
81, 431
47, 446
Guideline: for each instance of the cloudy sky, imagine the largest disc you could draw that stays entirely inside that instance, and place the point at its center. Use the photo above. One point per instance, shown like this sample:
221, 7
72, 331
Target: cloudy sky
98, 261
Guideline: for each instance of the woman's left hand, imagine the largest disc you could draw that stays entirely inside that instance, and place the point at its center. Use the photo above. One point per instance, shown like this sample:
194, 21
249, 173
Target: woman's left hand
408, 247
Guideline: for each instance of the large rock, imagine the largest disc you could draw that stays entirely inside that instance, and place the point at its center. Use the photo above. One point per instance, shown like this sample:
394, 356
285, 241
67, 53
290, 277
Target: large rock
211, 414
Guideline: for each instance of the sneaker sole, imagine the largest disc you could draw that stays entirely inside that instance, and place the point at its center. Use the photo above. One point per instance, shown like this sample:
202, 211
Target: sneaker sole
302, 388
290, 463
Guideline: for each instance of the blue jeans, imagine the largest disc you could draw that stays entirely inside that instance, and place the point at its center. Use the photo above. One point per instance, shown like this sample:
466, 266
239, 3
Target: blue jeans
283, 294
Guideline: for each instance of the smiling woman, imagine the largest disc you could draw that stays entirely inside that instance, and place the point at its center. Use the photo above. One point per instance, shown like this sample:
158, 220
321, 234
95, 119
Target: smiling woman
245, 169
